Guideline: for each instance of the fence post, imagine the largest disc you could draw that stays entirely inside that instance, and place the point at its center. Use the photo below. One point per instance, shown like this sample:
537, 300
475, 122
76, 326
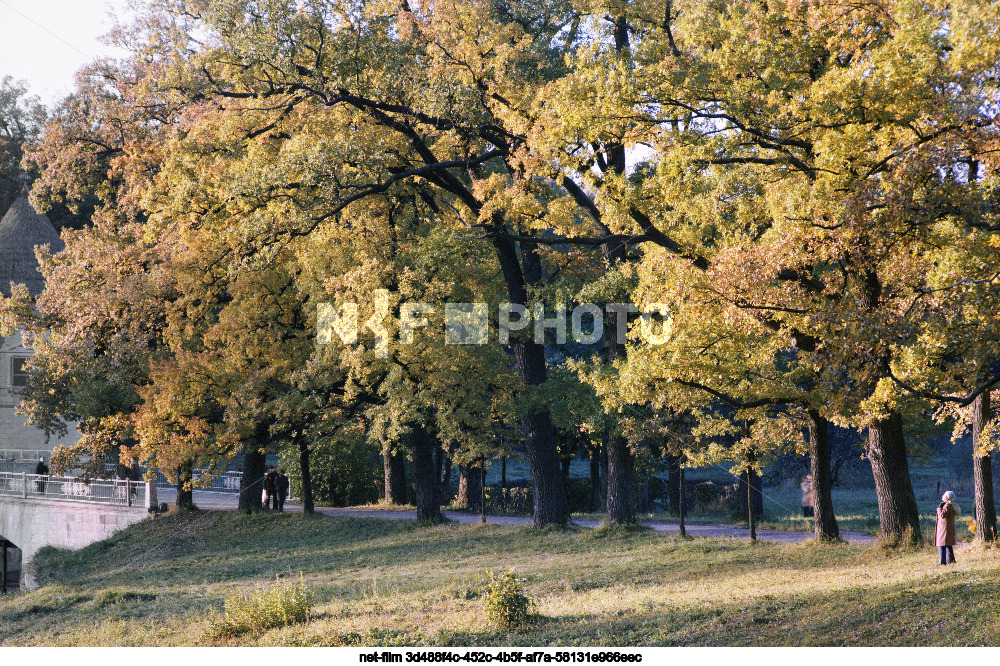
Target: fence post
24, 485
151, 493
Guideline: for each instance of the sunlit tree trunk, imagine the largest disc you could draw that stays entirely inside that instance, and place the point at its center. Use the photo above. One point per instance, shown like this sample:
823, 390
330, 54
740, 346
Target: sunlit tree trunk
549, 491
621, 499
621, 490
897, 505
819, 459
982, 472
425, 478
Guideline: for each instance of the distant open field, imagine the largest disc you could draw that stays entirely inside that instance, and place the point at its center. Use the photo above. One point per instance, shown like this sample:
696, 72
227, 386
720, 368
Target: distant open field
380, 582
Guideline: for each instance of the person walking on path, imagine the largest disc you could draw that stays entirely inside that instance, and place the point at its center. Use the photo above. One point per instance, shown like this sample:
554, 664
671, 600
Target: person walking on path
42, 470
944, 533
807, 496
281, 486
270, 488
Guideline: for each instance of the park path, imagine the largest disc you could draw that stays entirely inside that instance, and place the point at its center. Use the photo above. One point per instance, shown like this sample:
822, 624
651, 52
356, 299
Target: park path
226, 502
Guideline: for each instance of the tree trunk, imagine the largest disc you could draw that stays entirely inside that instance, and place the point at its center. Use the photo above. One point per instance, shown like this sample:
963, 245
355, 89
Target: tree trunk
982, 472
819, 459
252, 483
185, 493
621, 490
425, 478
897, 505
549, 491
394, 470
470, 490
307, 490
621, 480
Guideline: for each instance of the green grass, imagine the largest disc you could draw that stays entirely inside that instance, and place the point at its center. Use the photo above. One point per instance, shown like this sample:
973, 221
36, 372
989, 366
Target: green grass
376, 582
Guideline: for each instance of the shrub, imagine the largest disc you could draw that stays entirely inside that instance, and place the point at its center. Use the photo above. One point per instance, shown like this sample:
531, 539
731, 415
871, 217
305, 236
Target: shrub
115, 595
507, 605
264, 608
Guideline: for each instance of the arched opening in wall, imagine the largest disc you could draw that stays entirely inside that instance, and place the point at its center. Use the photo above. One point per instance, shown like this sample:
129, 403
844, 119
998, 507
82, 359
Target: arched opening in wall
10, 565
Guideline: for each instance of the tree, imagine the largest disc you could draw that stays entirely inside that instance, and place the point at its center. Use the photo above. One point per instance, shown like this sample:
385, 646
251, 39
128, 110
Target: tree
798, 190
319, 75
21, 120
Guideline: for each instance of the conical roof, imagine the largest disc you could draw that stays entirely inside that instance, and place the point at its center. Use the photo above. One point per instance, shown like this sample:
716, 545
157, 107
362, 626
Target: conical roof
21, 229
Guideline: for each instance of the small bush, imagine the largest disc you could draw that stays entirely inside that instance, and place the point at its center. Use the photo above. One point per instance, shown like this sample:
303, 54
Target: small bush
264, 608
114, 595
507, 605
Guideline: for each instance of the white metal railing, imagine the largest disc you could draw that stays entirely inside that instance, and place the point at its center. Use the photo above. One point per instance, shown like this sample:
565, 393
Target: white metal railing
220, 482
120, 492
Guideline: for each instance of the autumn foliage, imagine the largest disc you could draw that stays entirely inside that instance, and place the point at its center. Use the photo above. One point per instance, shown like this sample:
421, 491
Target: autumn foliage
810, 188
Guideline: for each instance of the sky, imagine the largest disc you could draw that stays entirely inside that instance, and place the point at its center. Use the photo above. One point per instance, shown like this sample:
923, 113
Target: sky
45, 42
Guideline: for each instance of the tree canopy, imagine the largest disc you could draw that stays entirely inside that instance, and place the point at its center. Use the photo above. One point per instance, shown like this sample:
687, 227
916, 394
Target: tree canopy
809, 187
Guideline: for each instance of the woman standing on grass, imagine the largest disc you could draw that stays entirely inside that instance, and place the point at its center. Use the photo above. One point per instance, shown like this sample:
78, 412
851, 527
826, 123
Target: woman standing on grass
944, 534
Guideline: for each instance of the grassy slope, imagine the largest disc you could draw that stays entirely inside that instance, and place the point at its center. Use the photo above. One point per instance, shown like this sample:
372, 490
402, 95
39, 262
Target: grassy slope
387, 582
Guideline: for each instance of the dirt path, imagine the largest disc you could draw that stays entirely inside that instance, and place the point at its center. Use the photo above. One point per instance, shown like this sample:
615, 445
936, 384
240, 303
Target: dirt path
224, 502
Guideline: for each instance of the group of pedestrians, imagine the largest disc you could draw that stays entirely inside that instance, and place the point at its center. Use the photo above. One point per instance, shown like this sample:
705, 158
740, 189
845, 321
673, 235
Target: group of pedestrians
275, 489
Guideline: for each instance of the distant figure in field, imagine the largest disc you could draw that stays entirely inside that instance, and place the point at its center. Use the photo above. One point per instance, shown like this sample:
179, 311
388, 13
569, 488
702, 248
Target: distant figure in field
270, 488
42, 470
281, 485
944, 534
807, 496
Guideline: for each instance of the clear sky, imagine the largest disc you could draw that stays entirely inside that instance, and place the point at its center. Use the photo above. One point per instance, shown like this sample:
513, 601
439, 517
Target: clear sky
45, 42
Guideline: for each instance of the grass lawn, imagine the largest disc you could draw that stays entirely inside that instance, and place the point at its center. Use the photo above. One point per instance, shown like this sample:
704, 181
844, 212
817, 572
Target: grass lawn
380, 582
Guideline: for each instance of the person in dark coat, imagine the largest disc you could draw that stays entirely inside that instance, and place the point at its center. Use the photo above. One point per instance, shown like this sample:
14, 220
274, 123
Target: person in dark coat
944, 532
281, 486
270, 488
42, 470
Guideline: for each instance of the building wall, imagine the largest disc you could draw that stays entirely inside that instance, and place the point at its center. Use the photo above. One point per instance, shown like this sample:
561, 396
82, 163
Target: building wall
19, 440
33, 524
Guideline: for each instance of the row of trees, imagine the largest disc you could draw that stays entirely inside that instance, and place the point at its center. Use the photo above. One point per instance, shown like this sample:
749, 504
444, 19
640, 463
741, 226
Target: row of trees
810, 187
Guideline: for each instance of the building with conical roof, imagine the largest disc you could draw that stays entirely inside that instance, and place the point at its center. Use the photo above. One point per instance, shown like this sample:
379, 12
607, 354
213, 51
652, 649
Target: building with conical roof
21, 230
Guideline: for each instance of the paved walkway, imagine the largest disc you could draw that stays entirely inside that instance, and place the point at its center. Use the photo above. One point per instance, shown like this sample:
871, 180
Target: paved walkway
227, 502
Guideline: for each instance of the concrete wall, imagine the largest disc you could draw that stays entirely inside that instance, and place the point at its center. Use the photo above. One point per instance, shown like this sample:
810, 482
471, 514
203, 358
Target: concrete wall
33, 524
18, 439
